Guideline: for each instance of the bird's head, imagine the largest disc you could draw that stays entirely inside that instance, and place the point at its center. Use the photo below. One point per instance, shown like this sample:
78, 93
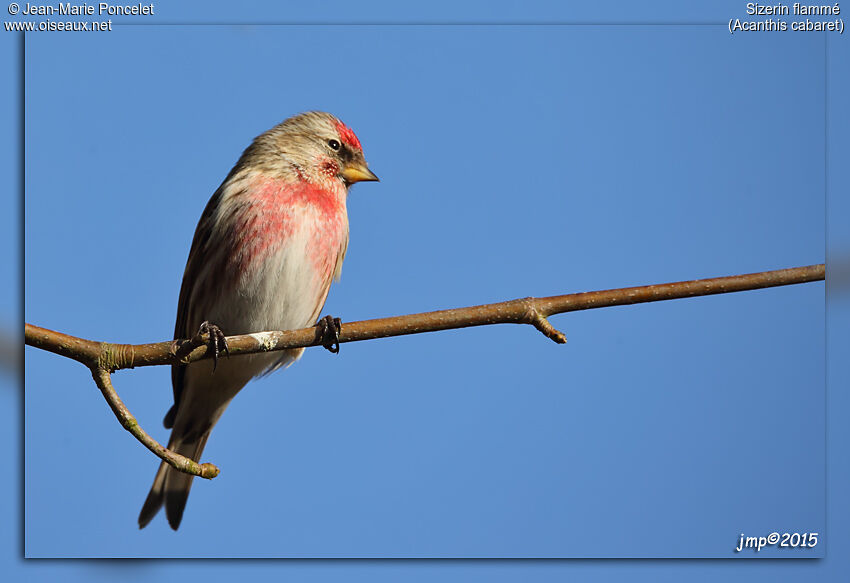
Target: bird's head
318, 147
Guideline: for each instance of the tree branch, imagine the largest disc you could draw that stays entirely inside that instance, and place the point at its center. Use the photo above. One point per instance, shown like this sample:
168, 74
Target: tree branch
103, 358
104, 382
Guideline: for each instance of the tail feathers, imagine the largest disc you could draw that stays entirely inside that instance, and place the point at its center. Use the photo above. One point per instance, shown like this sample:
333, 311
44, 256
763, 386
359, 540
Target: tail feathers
171, 487
155, 497
168, 421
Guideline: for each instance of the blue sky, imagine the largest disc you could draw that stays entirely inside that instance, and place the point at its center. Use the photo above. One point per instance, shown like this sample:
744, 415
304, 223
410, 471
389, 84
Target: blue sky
515, 160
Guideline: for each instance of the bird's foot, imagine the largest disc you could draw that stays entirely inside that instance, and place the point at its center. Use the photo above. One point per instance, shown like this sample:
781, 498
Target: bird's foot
327, 333
214, 338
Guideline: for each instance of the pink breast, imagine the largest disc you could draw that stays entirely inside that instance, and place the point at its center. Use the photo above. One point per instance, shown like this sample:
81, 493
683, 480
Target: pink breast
278, 212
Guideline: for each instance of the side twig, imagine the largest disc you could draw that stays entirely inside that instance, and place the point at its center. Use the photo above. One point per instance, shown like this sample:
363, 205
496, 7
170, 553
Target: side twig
102, 358
104, 382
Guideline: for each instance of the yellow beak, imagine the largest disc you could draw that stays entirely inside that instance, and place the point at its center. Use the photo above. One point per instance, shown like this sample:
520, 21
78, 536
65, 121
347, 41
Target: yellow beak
357, 172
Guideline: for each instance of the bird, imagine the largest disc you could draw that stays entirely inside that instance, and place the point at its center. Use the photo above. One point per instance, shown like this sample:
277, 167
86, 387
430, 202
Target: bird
269, 243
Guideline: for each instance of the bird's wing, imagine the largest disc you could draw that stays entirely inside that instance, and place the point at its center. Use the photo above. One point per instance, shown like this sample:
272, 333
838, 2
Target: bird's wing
185, 325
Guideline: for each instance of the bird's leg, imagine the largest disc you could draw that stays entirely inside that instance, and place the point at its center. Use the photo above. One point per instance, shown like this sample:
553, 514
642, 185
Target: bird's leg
327, 333
214, 338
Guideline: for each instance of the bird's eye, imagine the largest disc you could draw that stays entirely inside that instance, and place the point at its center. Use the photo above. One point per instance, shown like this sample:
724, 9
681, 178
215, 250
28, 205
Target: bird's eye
334, 145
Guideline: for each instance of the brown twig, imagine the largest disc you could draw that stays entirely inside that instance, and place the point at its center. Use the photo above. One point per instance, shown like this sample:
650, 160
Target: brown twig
103, 379
103, 358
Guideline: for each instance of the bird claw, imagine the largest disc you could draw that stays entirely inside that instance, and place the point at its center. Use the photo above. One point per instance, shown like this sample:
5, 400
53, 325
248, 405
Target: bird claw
217, 342
328, 329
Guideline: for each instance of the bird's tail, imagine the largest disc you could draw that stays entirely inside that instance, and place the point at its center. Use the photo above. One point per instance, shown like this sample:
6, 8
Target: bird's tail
170, 486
